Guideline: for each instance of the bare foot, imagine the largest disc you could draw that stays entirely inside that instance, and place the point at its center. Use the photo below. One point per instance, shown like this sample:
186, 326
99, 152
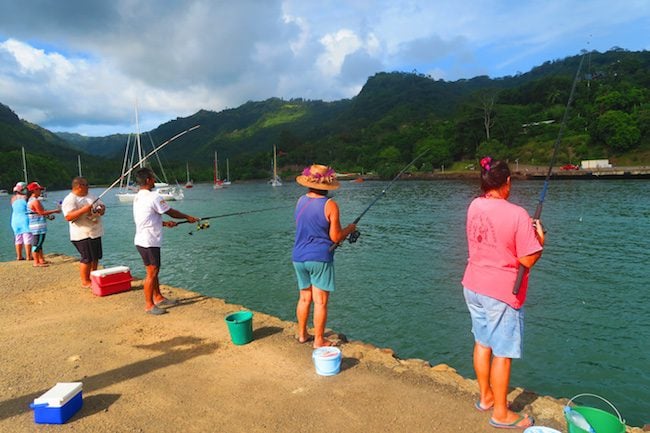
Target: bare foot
41, 265
324, 343
86, 284
306, 339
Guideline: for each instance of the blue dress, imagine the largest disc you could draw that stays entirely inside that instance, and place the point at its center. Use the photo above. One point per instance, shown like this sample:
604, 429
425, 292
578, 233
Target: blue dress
19, 217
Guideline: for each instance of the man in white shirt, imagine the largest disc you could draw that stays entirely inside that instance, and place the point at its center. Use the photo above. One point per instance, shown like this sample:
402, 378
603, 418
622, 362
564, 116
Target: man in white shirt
148, 208
86, 230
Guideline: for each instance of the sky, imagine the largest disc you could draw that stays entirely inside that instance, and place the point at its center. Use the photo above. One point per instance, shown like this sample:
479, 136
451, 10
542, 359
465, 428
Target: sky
85, 65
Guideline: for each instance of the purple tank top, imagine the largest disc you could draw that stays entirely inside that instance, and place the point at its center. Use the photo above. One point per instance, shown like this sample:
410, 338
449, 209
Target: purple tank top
312, 231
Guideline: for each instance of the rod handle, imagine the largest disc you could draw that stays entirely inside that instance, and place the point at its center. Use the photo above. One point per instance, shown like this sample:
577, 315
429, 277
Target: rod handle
520, 277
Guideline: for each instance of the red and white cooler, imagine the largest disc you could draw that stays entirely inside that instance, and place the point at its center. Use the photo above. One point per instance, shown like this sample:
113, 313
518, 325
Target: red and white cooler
110, 280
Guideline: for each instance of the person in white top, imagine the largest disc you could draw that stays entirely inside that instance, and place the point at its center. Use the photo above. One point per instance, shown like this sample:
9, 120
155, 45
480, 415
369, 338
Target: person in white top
148, 208
84, 214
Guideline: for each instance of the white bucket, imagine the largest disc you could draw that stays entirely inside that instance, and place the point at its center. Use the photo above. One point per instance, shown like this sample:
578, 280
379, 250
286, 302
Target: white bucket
327, 360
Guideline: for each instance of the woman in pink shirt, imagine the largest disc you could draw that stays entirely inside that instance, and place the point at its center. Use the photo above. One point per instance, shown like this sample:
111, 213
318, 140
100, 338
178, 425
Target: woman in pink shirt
501, 237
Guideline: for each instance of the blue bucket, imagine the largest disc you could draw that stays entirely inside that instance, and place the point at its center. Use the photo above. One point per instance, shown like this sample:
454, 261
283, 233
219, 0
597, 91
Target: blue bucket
327, 360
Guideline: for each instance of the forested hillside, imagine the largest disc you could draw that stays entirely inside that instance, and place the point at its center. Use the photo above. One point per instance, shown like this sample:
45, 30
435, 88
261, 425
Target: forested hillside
49, 159
394, 117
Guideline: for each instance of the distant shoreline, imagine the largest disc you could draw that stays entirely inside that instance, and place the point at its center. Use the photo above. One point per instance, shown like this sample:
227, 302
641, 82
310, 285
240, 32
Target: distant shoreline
524, 173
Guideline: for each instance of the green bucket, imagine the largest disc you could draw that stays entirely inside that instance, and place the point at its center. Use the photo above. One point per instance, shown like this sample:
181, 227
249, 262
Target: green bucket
240, 326
600, 421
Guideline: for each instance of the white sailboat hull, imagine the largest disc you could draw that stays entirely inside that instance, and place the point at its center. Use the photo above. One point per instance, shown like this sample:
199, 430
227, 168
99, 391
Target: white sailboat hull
125, 197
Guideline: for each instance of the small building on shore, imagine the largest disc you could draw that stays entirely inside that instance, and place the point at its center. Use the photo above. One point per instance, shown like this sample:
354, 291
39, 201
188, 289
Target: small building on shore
590, 164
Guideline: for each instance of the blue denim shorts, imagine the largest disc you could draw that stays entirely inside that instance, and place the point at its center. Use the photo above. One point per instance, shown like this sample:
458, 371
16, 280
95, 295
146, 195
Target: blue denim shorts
496, 324
317, 274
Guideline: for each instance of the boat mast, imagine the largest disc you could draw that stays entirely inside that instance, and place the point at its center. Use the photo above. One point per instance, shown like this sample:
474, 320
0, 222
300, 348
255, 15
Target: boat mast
79, 164
275, 164
137, 137
24, 164
216, 167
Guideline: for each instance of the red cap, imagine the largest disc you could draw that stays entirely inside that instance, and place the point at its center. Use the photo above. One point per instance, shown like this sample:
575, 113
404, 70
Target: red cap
34, 186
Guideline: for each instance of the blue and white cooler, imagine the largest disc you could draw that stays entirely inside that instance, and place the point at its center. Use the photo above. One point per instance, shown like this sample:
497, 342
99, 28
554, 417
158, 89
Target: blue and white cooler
58, 404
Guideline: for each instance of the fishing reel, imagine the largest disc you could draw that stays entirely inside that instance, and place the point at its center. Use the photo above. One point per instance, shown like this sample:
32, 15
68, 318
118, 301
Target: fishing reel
354, 236
202, 225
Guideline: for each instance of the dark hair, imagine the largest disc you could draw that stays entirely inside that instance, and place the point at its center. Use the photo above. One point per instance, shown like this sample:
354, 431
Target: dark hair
494, 173
142, 174
319, 191
77, 180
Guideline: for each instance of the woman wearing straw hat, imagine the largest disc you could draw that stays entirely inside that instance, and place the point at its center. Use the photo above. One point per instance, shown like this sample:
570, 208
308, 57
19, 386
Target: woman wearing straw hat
318, 227
501, 236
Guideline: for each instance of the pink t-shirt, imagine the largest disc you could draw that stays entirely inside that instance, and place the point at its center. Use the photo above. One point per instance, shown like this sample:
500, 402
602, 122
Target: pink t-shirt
498, 232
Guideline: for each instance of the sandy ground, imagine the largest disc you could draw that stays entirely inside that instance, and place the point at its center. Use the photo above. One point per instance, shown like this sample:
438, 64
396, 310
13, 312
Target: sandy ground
181, 373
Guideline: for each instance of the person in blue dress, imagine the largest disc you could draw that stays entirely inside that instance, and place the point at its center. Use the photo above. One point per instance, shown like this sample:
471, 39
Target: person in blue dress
318, 228
20, 222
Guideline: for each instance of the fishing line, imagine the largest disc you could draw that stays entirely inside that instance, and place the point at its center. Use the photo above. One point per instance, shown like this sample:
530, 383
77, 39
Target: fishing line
203, 222
352, 237
540, 203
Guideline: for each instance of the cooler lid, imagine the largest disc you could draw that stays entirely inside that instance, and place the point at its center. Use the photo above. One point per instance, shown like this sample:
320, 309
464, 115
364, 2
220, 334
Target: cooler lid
109, 271
59, 394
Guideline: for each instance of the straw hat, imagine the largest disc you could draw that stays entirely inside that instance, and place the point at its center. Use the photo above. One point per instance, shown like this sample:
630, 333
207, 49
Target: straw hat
318, 177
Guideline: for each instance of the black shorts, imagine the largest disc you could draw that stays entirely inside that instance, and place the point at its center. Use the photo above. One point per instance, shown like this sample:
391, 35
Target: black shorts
150, 256
90, 249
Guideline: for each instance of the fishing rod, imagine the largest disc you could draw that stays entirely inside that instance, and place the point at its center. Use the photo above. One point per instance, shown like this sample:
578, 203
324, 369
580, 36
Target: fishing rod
204, 224
155, 150
352, 237
538, 211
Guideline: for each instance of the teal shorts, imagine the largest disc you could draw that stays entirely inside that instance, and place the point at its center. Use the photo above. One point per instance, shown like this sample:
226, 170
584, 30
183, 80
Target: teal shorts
317, 274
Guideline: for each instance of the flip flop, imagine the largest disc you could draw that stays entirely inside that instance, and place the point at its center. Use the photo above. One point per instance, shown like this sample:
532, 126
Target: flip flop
156, 311
309, 338
516, 424
167, 303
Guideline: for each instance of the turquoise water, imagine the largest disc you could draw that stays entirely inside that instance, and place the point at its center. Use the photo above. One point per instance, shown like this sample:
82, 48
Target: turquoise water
588, 314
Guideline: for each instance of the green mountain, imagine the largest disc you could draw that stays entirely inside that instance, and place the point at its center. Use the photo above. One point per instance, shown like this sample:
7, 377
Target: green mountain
394, 117
50, 160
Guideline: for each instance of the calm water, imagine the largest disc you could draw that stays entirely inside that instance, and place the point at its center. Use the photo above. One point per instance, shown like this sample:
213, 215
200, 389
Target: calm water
588, 314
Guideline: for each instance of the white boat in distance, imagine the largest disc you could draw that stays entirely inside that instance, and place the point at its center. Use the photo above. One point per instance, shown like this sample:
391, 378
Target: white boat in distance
275, 180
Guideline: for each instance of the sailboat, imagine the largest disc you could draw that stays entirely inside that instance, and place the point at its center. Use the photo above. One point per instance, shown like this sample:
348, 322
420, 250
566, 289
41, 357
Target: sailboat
227, 181
275, 180
189, 183
127, 192
218, 183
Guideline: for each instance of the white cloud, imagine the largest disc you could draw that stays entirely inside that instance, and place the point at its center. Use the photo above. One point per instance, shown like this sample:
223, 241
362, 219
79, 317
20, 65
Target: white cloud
72, 63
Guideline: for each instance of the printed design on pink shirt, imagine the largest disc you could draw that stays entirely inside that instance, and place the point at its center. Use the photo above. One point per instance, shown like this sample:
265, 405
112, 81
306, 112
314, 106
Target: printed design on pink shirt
481, 230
